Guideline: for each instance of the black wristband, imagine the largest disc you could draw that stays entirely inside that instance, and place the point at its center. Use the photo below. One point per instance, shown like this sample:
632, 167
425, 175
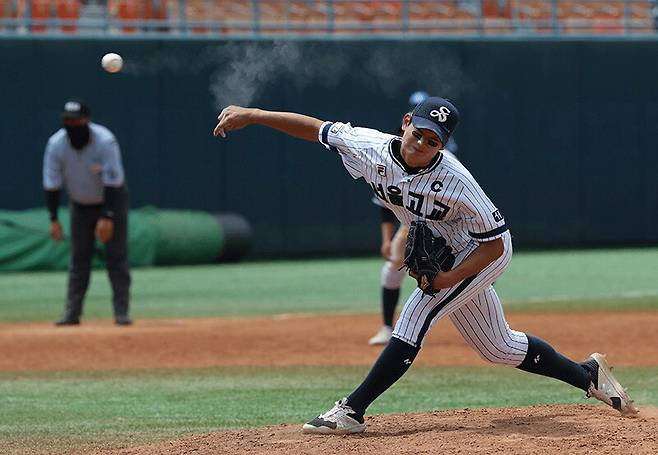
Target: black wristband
52, 203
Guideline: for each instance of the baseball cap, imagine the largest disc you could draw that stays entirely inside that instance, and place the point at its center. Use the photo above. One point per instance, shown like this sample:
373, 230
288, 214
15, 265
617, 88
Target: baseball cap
75, 108
438, 115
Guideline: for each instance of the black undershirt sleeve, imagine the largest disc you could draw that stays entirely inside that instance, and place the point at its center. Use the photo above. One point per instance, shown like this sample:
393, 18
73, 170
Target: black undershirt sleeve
52, 203
387, 215
111, 196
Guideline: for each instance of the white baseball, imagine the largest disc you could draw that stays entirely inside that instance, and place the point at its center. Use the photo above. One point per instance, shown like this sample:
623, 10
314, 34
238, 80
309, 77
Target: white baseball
112, 63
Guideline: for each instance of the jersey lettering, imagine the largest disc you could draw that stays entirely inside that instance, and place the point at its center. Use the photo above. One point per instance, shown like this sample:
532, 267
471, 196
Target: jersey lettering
394, 195
379, 191
437, 186
415, 203
439, 212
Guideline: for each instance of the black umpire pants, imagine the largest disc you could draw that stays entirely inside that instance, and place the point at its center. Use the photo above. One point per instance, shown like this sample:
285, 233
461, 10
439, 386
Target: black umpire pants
83, 249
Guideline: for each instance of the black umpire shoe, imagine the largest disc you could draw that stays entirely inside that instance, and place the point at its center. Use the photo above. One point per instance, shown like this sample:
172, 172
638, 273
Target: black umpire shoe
122, 320
67, 321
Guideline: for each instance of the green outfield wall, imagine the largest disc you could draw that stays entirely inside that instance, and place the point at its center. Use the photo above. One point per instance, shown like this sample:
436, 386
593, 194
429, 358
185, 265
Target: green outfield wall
561, 133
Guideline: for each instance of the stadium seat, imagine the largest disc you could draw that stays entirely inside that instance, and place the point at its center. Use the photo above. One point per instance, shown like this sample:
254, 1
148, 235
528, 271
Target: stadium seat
195, 12
497, 16
236, 17
309, 16
140, 15
640, 18
155, 13
127, 13
69, 11
607, 17
273, 16
536, 15
353, 17
40, 10
11, 9
220, 16
430, 17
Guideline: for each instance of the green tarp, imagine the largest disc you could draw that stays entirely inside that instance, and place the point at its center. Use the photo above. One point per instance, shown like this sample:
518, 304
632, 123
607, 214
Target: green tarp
155, 237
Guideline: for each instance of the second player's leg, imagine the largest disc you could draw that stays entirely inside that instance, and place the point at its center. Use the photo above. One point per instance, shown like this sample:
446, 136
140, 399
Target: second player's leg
391, 280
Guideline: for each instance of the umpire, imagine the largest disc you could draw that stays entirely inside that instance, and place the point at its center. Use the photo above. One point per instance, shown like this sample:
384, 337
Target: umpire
85, 158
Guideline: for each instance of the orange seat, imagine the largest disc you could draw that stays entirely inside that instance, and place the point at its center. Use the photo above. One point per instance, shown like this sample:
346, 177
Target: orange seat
641, 18
446, 17
309, 16
12, 9
68, 10
127, 11
40, 10
155, 9
497, 8
273, 15
497, 16
155, 12
537, 15
196, 11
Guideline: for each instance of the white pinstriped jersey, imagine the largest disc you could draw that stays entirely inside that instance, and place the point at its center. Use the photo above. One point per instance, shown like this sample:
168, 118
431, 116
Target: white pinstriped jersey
444, 194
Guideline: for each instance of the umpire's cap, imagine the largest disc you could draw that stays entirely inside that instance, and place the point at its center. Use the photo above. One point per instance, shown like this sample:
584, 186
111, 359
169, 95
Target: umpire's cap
75, 108
438, 115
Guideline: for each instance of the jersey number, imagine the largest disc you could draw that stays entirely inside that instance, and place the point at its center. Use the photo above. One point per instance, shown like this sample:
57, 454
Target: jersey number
393, 195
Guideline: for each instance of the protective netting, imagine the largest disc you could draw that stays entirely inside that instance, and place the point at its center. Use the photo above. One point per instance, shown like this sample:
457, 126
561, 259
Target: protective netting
155, 237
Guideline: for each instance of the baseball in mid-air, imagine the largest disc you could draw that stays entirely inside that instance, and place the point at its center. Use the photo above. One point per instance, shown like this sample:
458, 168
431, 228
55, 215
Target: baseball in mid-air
112, 63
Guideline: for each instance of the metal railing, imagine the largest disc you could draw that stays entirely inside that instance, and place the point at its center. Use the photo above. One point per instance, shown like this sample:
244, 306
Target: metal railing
329, 17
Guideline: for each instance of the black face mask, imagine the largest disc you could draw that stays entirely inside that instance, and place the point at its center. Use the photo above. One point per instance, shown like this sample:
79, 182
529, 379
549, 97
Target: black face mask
78, 135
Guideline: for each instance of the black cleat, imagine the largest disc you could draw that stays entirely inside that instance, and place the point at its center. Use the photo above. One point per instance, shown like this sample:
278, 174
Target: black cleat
122, 320
67, 321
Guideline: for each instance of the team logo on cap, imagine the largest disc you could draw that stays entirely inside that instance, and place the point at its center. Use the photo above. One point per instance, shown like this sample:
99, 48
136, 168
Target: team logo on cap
441, 115
72, 106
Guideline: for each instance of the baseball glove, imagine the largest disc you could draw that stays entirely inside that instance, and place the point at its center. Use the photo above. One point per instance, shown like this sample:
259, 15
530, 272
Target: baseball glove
426, 255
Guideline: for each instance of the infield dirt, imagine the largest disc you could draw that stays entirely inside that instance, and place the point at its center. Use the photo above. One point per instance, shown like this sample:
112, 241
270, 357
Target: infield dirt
629, 339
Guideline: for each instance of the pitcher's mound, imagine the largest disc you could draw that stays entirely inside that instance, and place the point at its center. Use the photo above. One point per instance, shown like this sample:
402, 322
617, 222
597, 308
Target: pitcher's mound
540, 430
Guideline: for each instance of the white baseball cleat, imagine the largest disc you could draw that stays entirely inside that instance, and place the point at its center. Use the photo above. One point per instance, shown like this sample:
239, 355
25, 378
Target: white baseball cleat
606, 388
340, 419
383, 336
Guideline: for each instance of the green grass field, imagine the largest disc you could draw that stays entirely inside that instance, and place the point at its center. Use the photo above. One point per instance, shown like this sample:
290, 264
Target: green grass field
66, 411
75, 411
567, 280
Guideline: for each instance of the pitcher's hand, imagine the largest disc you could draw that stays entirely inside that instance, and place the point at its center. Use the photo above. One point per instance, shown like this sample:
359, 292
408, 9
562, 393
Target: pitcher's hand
232, 118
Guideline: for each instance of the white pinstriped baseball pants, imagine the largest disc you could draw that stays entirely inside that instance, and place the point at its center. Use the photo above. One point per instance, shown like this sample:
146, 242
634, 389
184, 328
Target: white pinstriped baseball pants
474, 308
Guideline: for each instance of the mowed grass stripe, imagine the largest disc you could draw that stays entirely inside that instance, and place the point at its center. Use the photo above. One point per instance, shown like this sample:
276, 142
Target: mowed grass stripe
61, 411
536, 281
